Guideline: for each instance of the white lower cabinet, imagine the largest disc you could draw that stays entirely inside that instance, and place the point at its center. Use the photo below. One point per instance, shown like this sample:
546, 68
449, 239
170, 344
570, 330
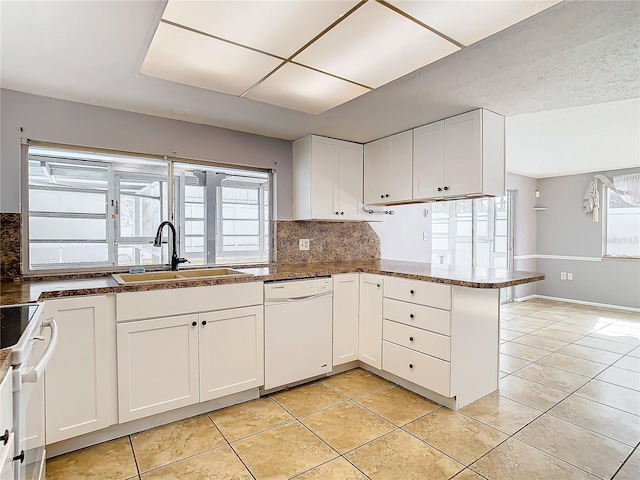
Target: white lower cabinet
346, 295
80, 381
6, 427
231, 350
370, 320
157, 365
171, 362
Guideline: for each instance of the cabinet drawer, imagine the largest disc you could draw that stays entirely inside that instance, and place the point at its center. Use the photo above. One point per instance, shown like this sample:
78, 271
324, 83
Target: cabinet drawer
430, 343
419, 316
416, 291
424, 370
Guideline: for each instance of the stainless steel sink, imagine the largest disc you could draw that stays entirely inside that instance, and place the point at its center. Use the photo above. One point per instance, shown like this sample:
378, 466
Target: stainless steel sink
130, 278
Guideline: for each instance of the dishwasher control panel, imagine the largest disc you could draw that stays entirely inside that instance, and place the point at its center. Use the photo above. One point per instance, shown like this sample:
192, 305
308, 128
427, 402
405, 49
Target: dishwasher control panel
294, 289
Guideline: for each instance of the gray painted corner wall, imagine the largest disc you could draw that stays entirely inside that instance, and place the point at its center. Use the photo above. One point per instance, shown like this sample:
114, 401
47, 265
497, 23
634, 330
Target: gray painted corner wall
564, 230
59, 121
525, 228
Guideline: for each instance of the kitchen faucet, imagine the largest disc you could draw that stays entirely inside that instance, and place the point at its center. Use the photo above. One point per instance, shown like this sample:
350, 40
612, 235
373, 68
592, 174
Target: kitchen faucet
175, 260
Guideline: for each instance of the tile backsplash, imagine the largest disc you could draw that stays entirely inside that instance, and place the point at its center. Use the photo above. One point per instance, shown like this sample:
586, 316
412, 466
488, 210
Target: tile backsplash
328, 242
10, 246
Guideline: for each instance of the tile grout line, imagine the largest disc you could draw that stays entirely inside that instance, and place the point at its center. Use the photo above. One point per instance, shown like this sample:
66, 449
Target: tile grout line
228, 444
135, 459
625, 461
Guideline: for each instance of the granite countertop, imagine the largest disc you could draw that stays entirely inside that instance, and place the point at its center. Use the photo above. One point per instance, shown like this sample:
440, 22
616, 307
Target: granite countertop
31, 291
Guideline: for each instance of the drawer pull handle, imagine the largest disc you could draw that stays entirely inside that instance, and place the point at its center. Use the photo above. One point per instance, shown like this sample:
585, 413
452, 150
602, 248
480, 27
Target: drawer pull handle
439, 189
411, 339
5, 437
411, 365
411, 315
204, 322
193, 324
411, 292
378, 285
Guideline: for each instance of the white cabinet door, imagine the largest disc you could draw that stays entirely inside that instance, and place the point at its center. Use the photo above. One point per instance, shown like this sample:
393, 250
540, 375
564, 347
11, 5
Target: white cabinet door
375, 171
231, 347
157, 365
370, 320
428, 161
463, 154
346, 289
399, 167
324, 178
80, 381
350, 178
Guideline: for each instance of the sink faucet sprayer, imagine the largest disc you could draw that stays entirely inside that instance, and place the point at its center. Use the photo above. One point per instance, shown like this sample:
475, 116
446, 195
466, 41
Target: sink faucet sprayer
175, 260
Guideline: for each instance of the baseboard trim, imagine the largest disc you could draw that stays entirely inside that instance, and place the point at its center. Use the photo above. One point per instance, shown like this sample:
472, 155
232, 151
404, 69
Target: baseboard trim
580, 302
537, 256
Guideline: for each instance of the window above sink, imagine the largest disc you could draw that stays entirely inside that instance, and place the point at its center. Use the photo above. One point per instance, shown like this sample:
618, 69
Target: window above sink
98, 210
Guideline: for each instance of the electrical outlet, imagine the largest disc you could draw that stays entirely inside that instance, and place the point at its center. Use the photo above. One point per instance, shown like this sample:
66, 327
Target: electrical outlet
425, 236
303, 244
563, 275
569, 276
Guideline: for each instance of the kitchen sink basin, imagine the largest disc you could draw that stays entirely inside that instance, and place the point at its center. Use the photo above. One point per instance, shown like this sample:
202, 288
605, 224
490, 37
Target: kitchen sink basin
130, 278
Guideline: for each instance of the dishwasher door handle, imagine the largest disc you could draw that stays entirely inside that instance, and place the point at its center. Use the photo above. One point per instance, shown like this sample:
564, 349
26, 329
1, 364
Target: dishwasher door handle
268, 301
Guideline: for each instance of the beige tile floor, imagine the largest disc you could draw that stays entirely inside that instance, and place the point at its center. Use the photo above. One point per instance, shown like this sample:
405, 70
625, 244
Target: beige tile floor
568, 407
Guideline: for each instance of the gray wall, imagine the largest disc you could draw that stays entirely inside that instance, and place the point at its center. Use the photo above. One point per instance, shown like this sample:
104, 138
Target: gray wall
564, 230
525, 226
59, 121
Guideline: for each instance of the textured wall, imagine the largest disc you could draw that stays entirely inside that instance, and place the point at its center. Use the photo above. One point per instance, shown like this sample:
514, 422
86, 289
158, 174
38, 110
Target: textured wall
10, 247
329, 242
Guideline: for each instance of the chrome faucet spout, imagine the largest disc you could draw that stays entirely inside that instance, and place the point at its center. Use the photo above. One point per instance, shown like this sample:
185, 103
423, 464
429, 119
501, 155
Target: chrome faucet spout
175, 260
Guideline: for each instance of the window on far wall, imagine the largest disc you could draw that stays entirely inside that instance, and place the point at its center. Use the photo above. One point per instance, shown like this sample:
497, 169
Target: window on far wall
621, 227
89, 210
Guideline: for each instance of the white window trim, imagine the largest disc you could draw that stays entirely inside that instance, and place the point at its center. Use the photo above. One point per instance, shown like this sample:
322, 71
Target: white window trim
605, 217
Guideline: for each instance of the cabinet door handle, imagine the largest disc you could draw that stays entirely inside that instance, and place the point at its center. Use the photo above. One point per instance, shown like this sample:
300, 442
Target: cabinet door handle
411, 315
446, 188
341, 213
411, 292
204, 322
439, 189
378, 285
411, 365
337, 213
5, 437
411, 339
382, 196
386, 195
193, 324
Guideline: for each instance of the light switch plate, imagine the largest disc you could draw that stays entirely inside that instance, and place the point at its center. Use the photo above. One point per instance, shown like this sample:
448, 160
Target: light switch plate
563, 275
425, 236
569, 276
303, 244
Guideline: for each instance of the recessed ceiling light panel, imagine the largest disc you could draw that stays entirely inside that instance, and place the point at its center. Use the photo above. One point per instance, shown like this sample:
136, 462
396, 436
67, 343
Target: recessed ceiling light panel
186, 57
276, 27
472, 20
375, 45
305, 90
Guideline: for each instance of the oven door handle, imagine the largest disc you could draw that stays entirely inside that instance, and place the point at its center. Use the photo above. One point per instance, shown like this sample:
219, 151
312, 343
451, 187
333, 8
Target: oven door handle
33, 375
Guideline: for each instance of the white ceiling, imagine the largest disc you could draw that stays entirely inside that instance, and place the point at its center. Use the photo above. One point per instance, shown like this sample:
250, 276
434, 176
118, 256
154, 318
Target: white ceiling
575, 53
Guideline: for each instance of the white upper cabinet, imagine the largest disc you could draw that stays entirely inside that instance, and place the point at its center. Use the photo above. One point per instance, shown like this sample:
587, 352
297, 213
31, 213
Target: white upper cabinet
460, 156
388, 169
327, 177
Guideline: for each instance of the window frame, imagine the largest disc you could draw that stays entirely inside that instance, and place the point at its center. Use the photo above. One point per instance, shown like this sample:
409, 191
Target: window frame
605, 218
174, 213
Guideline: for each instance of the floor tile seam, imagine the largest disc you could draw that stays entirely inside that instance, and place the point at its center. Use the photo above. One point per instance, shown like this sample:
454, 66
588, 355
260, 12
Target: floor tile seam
389, 420
515, 340
602, 349
218, 428
572, 464
133, 451
502, 431
356, 467
305, 426
625, 461
178, 460
363, 394
298, 417
526, 359
562, 370
289, 422
624, 368
581, 358
612, 383
565, 369
549, 412
578, 394
451, 456
572, 333
394, 429
312, 468
609, 339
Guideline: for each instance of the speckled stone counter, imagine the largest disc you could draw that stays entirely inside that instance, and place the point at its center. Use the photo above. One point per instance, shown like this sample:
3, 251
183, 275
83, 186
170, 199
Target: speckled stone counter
26, 292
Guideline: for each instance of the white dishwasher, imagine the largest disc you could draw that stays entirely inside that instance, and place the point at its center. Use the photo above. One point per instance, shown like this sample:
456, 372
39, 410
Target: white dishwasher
298, 317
